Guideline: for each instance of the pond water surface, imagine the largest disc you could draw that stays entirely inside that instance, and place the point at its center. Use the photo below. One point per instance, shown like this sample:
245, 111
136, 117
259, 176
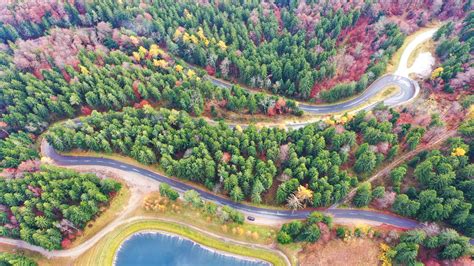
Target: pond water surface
154, 248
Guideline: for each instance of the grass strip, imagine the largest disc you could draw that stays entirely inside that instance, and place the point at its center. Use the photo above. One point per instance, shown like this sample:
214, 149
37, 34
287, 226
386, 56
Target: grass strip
104, 251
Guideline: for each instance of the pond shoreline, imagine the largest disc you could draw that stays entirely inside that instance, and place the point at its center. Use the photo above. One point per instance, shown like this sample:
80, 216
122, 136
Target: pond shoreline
177, 236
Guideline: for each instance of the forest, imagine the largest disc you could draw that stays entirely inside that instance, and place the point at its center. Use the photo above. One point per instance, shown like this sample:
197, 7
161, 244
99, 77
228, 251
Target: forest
50, 207
446, 245
300, 50
31, 104
444, 189
437, 185
140, 79
9, 259
62, 59
246, 163
455, 52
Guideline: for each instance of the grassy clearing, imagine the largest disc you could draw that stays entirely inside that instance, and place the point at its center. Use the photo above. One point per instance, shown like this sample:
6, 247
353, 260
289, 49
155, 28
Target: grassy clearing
358, 251
103, 253
291, 251
181, 212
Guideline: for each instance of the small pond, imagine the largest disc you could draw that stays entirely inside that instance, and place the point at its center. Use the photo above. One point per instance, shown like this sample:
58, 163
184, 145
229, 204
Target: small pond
154, 248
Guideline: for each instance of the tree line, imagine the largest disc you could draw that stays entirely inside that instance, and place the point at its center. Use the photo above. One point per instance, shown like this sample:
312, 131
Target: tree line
448, 243
308, 230
455, 52
9, 259
30, 104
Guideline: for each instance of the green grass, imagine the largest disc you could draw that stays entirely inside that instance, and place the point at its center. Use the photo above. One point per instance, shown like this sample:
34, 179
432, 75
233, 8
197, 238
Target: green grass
103, 252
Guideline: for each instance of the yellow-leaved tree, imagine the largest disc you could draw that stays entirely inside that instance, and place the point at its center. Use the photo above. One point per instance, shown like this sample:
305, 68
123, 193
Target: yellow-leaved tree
385, 256
436, 72
458, 152
178, 68
304, 194
222, 45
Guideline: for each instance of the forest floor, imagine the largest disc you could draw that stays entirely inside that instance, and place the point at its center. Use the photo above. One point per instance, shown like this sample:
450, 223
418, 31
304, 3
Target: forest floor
359, 251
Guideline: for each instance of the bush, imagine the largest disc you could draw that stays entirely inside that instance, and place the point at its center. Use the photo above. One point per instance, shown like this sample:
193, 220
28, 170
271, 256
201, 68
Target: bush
363, 196
413, 236
284, 237
341, 232
315, 217
167, 191
233, 214
358, 232
378, 192
308, 231
328, 220
311, 233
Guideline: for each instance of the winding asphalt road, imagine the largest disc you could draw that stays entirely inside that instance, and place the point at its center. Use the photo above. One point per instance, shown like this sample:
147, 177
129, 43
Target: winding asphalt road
409, 89
364, 215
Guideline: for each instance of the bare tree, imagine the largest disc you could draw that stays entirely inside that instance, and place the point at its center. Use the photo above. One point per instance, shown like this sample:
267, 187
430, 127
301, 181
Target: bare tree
293, 202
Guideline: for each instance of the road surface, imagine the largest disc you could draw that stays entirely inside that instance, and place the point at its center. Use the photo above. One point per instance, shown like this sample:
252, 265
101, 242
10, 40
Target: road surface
353, 214
409, 88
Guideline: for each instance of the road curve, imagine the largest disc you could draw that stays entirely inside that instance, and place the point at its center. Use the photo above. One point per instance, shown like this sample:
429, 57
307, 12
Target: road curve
363, 215
409, 89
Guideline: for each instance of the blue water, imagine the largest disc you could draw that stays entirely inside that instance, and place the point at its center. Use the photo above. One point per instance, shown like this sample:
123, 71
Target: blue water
161, 249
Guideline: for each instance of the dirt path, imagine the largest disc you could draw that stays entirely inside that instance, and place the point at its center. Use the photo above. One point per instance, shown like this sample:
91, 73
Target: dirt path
139, 187
77, 251
403, 69
386, 170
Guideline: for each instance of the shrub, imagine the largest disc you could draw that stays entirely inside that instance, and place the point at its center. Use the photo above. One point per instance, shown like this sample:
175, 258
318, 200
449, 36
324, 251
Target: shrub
341, 232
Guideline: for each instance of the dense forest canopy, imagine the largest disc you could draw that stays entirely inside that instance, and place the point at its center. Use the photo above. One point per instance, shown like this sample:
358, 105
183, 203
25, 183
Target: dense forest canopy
142, 73
9, 259
455, 51
245, 163
63, 59
48, 208
305, 49
444, 188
